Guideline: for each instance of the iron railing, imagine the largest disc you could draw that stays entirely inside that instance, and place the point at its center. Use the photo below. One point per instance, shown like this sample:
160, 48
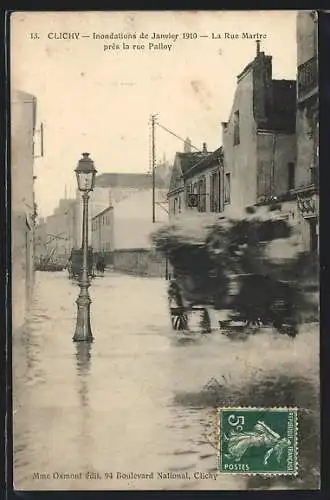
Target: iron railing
307, 78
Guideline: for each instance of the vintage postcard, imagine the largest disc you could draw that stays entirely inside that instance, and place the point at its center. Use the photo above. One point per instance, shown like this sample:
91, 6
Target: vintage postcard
165, 250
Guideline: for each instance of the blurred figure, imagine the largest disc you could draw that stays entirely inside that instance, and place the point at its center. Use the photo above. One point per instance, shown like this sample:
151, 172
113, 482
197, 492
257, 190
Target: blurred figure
178, 314
100, 264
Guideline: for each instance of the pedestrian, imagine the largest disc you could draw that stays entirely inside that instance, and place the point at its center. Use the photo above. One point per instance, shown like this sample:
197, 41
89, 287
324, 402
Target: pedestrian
178, 314
100, 265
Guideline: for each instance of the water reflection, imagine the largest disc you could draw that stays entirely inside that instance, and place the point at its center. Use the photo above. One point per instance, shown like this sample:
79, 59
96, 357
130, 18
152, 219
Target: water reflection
29, 337
184, 340
83, 355
83, 364
142, 398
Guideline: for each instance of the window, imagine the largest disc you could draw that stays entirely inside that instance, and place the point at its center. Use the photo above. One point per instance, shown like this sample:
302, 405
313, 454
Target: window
315, 175
220, 187
291, 175
236, 128
176, 205
307, 78
227, 188
313, 228
188, 192
202, 195
215, 192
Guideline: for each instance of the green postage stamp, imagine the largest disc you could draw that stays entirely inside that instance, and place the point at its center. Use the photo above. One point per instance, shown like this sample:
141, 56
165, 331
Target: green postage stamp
258, 440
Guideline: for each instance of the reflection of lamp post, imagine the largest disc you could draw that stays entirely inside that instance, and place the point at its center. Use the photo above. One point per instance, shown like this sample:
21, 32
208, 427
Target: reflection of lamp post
83, 352
85, 172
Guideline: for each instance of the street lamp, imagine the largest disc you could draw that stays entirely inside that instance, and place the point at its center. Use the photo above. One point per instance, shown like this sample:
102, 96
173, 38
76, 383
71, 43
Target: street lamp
85, 172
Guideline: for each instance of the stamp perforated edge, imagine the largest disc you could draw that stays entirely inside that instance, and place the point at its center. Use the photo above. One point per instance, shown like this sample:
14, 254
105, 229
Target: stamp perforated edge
261, 408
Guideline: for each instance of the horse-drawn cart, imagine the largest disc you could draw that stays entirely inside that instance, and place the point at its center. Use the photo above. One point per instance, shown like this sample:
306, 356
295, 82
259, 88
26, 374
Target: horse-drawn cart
182, 305
223, 267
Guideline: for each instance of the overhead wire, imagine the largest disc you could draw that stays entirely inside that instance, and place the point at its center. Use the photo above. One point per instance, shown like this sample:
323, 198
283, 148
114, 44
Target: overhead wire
176, 135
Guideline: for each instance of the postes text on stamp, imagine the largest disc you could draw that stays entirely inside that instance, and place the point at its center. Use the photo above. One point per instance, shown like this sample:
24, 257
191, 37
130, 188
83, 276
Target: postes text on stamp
258, 440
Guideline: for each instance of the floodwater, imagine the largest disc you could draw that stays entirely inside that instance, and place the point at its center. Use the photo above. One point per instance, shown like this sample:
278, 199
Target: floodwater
136, 401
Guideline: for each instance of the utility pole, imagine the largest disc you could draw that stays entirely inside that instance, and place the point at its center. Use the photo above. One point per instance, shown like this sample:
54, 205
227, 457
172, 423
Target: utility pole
153, 160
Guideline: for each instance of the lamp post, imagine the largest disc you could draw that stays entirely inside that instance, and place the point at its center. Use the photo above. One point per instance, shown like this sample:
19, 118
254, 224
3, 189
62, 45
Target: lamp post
85, 172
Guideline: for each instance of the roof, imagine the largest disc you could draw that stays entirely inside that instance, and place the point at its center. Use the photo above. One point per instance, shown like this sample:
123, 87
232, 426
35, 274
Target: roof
187, 160
209, 160
123, 180
22, 96
128, 180
182, 163
99, 214
245, 70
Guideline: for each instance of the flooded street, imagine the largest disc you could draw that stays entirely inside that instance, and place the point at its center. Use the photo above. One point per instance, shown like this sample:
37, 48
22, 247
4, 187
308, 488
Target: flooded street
132, 402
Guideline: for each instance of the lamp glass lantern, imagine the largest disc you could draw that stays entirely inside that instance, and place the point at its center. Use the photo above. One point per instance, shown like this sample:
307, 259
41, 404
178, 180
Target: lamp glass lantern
85, 173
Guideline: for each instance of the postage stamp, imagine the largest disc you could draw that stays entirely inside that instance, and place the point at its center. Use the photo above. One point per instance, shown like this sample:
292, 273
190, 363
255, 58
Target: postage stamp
258, 440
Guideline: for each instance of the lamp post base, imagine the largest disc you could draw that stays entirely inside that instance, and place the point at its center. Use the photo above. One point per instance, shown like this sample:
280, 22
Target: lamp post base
83, 332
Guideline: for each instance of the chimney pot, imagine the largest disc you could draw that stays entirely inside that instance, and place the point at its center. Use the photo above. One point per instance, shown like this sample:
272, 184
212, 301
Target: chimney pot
187, 145
258, 47
204, 147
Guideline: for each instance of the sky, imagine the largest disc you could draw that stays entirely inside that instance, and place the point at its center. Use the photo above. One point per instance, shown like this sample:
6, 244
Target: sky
100, 101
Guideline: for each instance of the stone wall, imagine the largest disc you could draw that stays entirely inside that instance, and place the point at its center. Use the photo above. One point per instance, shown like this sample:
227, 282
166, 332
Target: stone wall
141, 262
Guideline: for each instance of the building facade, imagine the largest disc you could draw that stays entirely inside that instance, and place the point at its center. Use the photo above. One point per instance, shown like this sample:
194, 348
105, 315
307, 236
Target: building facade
102, 231
270, 147
133, 219
205, 186
183, 162
307, 129
110, 189
60, 228
271, 138
121, 233
23, 213
259, 138
56, 234
41, 238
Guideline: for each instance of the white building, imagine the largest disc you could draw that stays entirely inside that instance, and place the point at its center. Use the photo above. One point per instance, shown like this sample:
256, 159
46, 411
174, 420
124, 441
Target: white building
109, 190
23, 122
132, 219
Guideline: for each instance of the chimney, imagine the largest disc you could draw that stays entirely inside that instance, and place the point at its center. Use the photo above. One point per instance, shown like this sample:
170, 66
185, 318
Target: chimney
258, 47
187, 145
204, 147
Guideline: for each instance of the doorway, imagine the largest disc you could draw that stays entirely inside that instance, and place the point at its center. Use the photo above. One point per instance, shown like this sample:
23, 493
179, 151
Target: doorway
313, 235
